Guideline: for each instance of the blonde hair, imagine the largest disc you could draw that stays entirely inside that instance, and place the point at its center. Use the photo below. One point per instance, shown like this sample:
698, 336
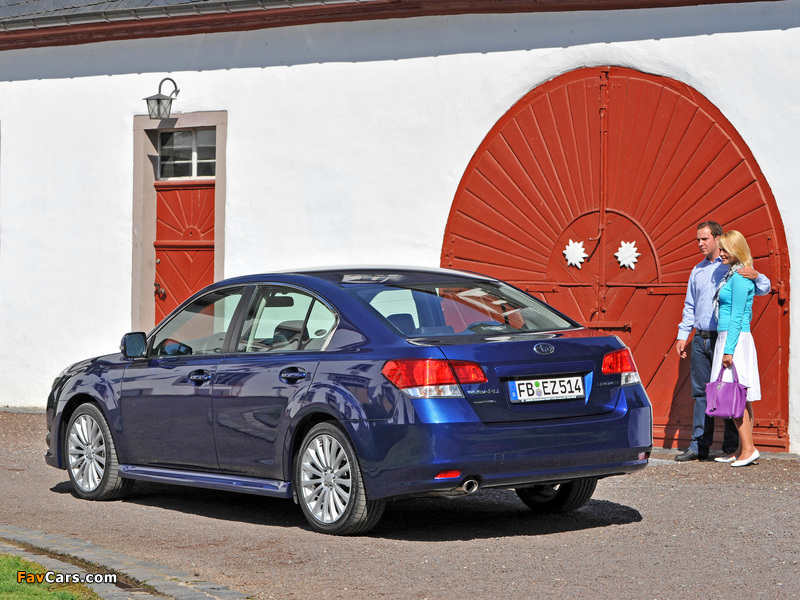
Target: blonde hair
736, 247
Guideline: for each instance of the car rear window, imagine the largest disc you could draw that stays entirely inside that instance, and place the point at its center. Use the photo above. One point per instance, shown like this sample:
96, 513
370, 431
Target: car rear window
458, 308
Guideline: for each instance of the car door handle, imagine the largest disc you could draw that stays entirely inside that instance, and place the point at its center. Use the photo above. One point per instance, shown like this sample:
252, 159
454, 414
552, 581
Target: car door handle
293, 375
199, 377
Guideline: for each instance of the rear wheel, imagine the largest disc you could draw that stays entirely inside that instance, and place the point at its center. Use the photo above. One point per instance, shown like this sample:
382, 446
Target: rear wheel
558, 497
328, 484
92, 457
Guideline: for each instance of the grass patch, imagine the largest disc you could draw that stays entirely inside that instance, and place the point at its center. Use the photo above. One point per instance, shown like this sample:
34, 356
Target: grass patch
11, 588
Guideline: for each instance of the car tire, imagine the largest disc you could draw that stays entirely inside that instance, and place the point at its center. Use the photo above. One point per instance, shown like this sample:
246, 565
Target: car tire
329, 486
558, 498
92, 461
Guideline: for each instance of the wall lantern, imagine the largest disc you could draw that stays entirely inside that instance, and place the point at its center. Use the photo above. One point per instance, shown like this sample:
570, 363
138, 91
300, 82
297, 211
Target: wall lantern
159, 105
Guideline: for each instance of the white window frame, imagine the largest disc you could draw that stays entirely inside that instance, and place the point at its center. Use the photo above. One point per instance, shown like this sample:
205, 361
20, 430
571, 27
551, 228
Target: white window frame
195, 161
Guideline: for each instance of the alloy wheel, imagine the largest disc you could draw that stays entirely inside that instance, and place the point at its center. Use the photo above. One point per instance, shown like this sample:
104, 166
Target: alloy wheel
325, 479
87, 453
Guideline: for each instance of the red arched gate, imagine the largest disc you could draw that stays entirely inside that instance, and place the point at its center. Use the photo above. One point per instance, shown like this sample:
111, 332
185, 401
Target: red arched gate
588, 192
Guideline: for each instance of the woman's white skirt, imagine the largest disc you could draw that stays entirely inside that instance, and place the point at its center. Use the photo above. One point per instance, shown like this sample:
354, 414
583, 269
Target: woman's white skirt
745, 360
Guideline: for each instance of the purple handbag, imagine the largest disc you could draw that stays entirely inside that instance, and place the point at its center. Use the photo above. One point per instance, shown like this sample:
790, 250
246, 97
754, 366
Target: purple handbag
725, 399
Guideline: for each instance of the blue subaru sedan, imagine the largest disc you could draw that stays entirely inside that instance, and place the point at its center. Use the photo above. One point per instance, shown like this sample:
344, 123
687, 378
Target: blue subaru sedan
342, 389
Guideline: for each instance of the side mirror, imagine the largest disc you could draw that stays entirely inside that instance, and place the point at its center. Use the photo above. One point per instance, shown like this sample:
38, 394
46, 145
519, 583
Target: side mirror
134, 345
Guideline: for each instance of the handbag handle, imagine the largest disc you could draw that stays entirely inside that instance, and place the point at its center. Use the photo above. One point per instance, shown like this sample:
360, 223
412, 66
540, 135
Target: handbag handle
735, 374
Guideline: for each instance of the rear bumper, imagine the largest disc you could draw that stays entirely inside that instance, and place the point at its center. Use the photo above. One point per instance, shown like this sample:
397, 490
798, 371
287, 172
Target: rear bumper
404, 459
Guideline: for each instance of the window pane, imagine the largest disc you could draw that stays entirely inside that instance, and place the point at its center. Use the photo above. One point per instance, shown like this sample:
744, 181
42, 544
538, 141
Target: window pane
475, 308
206, 169
187, 153
206, 137
176, 154
176, 170
200, 328
206, 153
321, 322
276, 321
398, 306
176, 139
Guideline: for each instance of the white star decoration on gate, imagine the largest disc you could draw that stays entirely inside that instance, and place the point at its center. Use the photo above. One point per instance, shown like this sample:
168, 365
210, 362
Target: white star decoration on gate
627, 255
575, 254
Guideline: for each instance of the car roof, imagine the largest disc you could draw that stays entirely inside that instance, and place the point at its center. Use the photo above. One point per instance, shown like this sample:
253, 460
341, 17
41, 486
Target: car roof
354, 275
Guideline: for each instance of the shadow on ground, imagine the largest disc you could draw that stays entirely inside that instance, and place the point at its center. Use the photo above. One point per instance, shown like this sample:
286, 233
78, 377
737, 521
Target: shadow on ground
487, 514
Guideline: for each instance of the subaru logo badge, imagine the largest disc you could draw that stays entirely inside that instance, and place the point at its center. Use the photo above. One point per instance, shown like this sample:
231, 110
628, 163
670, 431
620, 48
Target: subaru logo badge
544, 348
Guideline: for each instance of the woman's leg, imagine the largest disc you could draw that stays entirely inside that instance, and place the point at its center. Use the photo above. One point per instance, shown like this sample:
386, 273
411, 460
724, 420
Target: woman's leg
745, 427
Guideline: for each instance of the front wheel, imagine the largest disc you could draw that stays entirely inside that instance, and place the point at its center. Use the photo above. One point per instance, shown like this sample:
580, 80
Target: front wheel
328, 484
558, 497
92, 457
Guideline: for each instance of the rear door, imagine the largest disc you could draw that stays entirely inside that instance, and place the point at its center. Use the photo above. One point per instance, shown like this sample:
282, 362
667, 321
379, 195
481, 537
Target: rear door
263, 382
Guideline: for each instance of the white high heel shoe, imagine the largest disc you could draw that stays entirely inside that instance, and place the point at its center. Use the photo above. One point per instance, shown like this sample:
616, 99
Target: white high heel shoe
747, 461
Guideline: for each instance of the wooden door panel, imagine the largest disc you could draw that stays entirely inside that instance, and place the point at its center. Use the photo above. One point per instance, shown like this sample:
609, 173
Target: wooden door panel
573, 301
501, 216
184, 242
620, 229
183, 272
607, 155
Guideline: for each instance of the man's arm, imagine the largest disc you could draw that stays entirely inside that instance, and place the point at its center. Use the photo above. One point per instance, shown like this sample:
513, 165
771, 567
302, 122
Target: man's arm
763, 285
687, 322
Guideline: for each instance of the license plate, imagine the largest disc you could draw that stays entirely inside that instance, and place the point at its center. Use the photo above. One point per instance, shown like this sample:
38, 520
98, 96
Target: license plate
538, 390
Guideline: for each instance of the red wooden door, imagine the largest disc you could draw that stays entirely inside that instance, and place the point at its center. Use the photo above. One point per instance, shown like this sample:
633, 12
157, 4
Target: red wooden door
588, 193
184, 241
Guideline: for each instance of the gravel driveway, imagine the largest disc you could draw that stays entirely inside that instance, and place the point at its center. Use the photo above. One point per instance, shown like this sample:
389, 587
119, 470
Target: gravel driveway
685, 531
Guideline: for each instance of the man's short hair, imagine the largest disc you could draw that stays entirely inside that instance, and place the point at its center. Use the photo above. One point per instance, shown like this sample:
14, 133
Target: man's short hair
716, 228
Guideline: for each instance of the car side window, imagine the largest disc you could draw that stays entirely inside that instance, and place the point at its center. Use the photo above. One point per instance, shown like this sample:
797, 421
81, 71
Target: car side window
321, 322
284, 320
200, 328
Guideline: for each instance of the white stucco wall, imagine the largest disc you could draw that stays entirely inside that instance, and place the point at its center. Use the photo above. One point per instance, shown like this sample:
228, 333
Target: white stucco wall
345, 145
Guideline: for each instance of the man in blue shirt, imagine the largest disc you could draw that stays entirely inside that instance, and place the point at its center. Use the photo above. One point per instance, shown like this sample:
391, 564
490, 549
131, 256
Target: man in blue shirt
698, 314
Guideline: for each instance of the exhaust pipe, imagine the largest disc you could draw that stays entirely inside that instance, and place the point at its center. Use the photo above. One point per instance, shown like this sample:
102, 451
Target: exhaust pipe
469, 486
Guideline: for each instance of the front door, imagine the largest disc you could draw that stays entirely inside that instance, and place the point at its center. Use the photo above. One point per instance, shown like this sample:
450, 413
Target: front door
166, 398
588, 193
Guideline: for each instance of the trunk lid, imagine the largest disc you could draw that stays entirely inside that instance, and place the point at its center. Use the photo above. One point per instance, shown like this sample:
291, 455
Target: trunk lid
535, 377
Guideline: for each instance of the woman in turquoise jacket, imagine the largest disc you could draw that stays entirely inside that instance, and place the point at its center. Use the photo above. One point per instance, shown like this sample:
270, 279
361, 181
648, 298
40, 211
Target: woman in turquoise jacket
734, 305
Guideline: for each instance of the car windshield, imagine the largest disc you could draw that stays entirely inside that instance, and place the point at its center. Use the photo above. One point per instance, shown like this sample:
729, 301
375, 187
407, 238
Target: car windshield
461, 307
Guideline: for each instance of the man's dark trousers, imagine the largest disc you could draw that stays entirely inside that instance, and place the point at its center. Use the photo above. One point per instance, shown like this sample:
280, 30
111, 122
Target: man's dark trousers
702, 424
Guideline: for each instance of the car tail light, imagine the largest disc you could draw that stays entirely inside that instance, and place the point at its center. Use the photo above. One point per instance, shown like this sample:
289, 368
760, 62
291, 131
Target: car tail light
621, 361
468, 372
453, 474
432, 378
